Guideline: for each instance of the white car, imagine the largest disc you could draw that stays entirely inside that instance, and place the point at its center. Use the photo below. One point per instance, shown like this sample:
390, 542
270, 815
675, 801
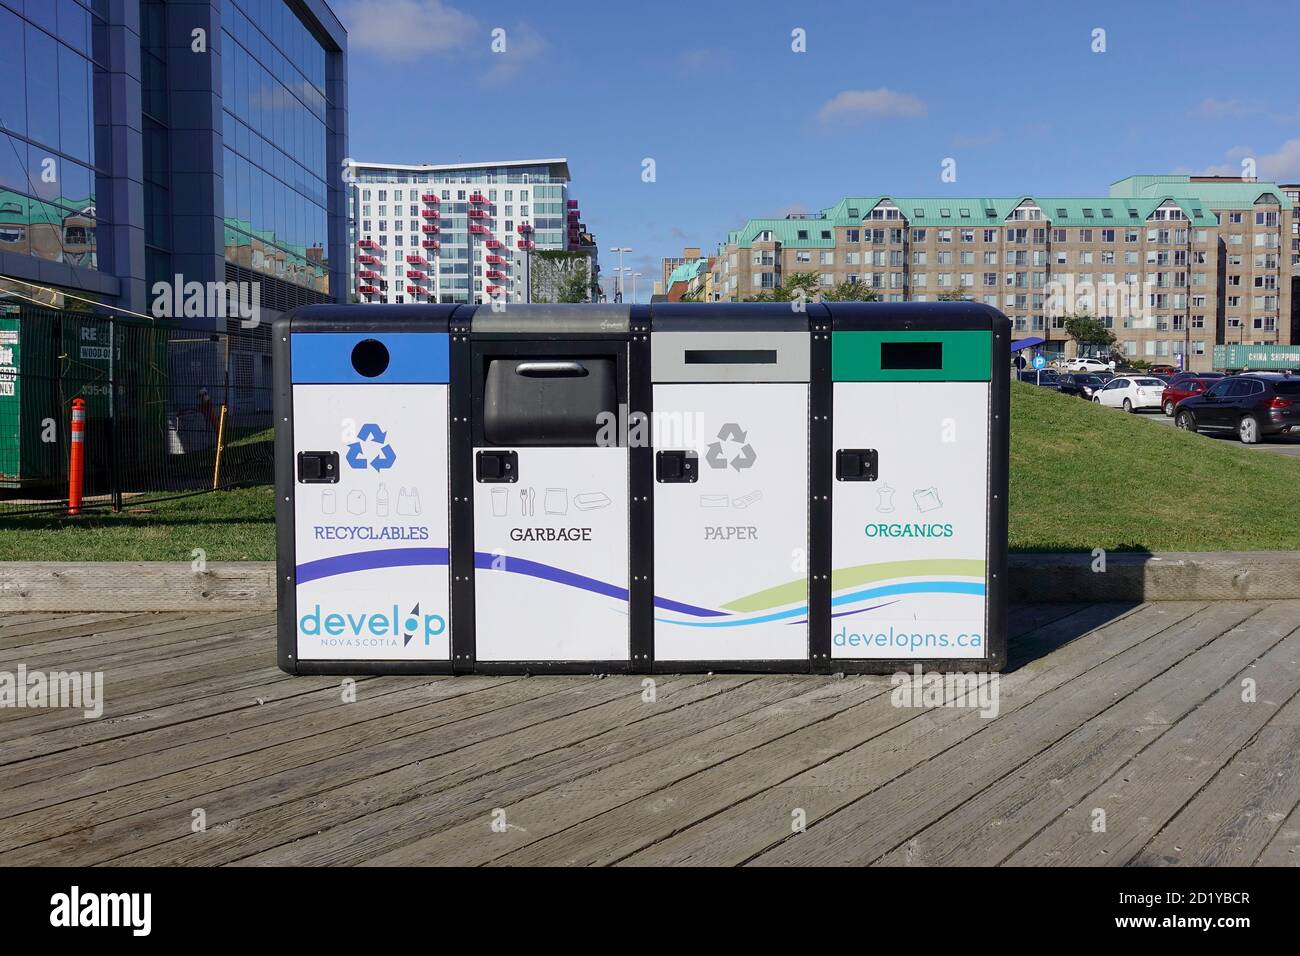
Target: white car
1131, 394
1087, 365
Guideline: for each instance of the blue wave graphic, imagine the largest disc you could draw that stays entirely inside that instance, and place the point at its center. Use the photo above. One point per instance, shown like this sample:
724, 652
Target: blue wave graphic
916, 587
415, 557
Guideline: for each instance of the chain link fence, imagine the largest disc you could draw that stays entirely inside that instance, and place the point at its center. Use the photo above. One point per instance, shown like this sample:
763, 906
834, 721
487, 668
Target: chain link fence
169, 412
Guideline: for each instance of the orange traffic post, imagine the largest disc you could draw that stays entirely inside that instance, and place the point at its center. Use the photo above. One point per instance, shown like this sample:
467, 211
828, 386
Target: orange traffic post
77, 455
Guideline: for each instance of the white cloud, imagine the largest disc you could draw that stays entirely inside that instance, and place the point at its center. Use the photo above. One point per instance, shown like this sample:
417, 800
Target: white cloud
407, 29
524, 45
1282, 165
860, 104
1212, 106
704, 60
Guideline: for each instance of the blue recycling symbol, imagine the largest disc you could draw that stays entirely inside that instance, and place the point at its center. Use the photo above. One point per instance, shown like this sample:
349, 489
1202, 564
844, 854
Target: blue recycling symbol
371, 434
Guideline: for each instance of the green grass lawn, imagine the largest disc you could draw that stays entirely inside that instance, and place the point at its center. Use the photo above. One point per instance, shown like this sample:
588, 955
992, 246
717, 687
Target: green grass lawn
235, 525
1082, 477
1085, 477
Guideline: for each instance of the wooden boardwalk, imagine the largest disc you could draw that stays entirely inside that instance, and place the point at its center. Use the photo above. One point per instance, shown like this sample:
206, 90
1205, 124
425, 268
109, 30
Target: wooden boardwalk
207, 754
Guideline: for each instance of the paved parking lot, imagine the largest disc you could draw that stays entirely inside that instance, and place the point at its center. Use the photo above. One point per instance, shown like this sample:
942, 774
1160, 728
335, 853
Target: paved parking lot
1277, 444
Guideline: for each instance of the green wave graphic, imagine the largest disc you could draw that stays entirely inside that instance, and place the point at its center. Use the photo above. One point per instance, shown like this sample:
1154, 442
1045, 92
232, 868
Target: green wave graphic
852, 577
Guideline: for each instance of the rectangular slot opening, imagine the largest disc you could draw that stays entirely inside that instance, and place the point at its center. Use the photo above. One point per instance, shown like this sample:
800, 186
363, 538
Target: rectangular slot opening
731, 356
911, 355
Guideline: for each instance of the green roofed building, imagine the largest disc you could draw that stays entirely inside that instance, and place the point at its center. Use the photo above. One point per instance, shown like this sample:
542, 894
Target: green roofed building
1172, 265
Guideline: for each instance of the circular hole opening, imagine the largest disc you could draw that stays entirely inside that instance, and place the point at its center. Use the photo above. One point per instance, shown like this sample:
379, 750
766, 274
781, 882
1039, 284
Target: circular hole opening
370, 357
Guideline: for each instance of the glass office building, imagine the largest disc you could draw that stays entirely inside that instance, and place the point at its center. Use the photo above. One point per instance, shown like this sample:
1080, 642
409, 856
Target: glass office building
51, 54
229, 171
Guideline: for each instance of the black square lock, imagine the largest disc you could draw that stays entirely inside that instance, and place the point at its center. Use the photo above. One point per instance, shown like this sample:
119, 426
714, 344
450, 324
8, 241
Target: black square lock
496, 466
857, 464
318, 467
677, 467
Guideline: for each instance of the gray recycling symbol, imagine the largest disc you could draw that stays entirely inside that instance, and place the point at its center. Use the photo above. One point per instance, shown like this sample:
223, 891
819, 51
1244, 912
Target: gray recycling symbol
745, 458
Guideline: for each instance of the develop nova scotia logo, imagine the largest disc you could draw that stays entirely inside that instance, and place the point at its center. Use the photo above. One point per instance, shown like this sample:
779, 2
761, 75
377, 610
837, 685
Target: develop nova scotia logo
369, 628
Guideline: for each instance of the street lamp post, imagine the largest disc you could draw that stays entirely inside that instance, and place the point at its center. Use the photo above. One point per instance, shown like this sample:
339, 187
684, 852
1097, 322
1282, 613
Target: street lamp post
618, 294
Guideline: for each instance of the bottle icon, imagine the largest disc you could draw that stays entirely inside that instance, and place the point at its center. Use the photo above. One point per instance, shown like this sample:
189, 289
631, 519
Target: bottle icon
886, 503
328, 502
381, 501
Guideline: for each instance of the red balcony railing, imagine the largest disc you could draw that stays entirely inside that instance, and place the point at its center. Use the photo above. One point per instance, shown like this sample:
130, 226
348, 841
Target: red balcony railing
431, 244
496, 259
478, 228
493, 243
523, 228
495, 289
369, 260
477, 197
430, 213
368, 244
367, 289
414, 274
415, 260
495, 274
430, 228
414, 289
429, 197
367, 274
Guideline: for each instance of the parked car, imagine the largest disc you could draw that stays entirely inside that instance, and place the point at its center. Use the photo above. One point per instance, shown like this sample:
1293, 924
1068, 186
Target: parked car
1182, 375
1131, 393
1163, 370
1181, 387
1252, 405
1087, 365
1048, 378
1084, 385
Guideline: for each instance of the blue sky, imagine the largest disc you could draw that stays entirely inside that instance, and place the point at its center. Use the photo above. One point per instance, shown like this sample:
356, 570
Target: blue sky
739, 125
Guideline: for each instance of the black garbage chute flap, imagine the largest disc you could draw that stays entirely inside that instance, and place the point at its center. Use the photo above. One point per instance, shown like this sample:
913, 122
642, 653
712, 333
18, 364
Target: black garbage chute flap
551, 400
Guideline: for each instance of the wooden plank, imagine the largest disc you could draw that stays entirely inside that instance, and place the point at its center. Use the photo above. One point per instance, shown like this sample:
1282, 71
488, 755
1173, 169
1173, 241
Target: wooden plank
1142, 796
990, 826
256, 647
390, 788
549, 812
52, 626
660, 814
610, 835
464, 700
1284, 848
147, 644
136, 586
1231, 820
888, 815
388, 709
277, 686
224, 670
152, 743
757, 823
116, 634
12, 618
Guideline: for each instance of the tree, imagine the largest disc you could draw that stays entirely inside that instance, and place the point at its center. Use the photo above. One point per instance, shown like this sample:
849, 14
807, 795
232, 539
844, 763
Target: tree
807, 286
1085, 330
851, 291
575, 285
959, 294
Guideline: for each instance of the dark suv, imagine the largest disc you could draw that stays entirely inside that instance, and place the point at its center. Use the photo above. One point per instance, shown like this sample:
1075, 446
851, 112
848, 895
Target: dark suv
1252, 405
